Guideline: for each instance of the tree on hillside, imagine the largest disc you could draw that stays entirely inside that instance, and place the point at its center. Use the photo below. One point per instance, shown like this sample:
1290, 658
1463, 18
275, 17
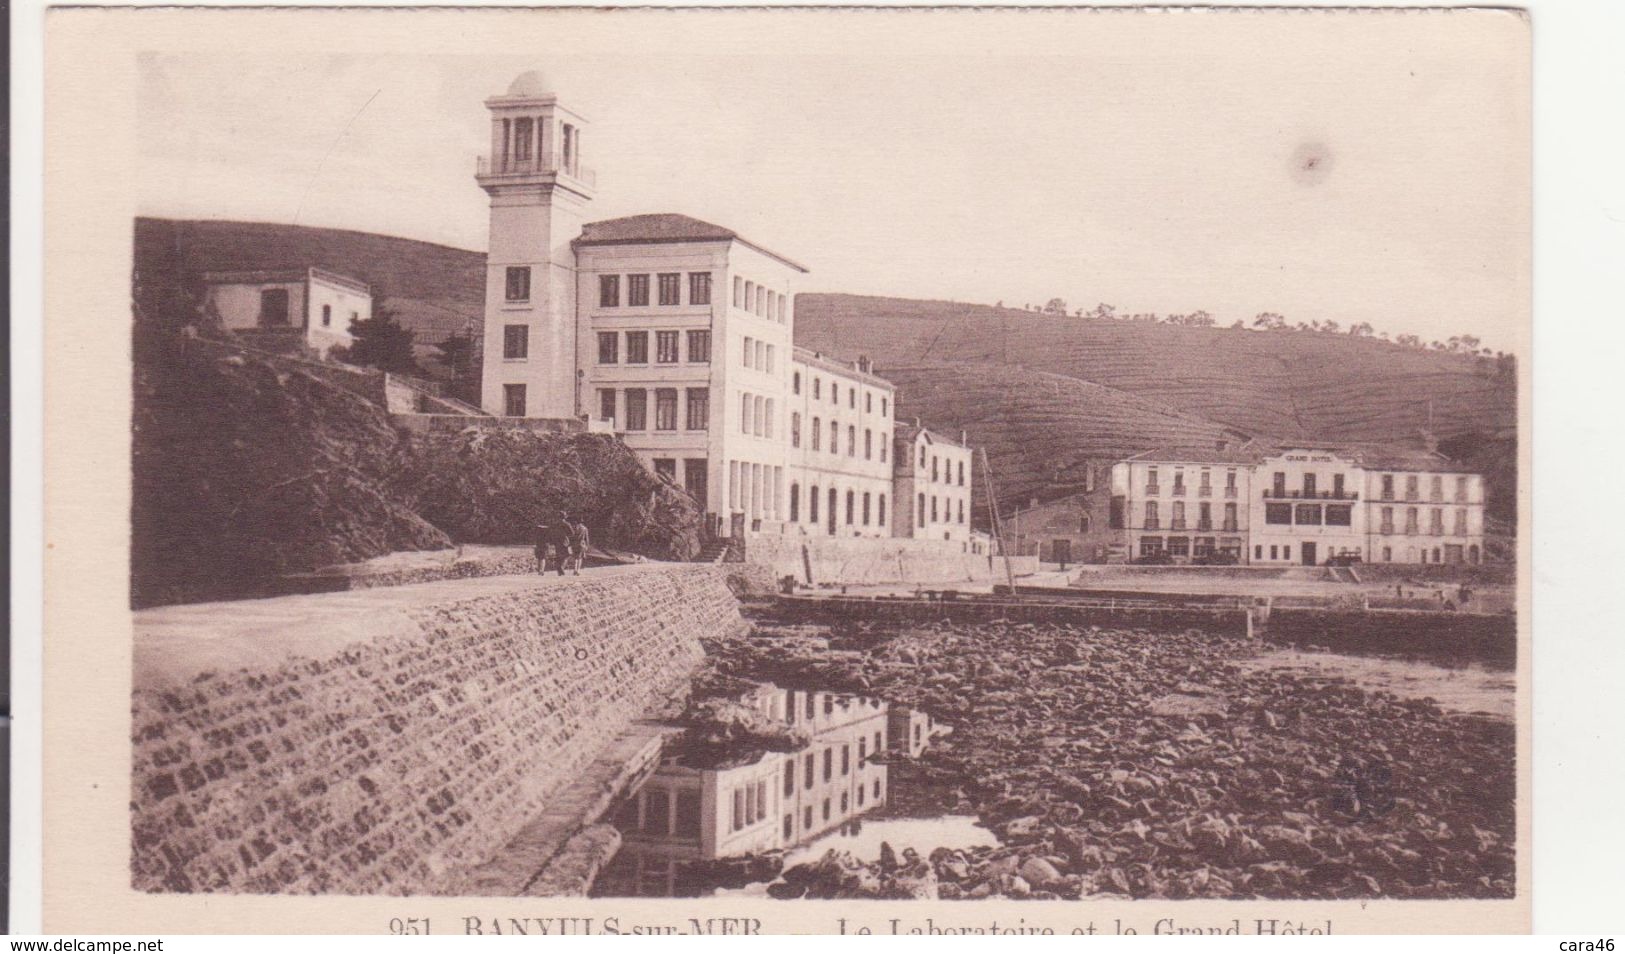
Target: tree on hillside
1409, 341
1269, 321
458, 355
1102, 310
1196, 319
1055, 306
1362, 330
382, 342
1330, 327
1238, 326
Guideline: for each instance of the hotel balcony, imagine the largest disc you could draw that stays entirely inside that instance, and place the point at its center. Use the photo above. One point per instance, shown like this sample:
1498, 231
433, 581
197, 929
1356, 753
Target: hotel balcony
1153, 525
1230, 492
1230, 528
1179, 490
1177, 525
1273, 494
500, 168
1151, 490
1204, 491
1206, 525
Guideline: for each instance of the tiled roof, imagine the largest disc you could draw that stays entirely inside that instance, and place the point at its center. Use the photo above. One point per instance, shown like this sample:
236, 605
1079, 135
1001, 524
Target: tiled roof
812, 358
661, 227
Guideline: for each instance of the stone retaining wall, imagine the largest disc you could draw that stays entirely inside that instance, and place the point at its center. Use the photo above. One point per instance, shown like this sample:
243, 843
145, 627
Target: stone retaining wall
1491, 639
868, 560
391, 741
837, 610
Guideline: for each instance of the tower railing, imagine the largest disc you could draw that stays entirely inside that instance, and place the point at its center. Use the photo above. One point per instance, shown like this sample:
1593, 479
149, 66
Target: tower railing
534, 165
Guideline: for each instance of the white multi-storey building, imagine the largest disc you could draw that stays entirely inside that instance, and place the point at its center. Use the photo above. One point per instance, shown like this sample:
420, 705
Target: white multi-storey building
1421, 508
680, 335
933, 476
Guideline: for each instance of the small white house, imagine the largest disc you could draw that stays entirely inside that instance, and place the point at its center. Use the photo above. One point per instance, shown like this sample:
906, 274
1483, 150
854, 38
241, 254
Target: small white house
312, 305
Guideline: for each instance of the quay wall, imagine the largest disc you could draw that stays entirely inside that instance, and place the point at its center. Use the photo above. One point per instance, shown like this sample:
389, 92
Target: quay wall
837, 610
872, 560
391, 741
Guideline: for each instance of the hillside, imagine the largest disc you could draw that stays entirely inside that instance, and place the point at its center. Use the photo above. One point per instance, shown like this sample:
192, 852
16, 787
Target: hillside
1282, 384
1040, 390
1040, 429
433, 289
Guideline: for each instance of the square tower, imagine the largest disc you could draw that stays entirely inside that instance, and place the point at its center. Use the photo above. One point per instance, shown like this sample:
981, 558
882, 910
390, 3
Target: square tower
539, 193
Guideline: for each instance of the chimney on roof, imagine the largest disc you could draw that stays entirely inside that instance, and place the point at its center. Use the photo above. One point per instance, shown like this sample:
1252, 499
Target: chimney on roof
964, 438
863, 363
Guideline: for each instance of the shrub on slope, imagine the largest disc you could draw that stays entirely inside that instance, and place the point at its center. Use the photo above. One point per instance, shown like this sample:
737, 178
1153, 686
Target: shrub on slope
488, 485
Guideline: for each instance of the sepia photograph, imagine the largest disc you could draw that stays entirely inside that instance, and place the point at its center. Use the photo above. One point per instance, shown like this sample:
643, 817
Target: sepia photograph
966, 456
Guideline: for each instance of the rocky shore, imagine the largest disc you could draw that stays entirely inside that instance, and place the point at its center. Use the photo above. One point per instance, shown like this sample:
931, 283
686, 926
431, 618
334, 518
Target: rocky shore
1135, 764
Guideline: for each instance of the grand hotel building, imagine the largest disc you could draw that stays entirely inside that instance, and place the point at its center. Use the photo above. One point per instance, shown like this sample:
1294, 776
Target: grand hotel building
680, 336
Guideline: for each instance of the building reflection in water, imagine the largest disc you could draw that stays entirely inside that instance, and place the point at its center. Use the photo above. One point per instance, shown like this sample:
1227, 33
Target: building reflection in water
681, 827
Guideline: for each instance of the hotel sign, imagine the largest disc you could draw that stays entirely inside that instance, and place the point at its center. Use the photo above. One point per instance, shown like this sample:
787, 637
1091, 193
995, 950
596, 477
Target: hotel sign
1310, 458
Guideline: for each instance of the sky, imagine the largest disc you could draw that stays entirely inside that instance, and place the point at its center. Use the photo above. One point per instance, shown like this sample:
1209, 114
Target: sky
1352, 168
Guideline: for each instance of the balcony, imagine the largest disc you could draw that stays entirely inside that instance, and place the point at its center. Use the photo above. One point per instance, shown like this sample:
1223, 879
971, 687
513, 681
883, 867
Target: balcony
500, 167
1230, 492
1178, 524
1153, 524
1204, 491
1229, 527
1151, 490
1279, 494
1204, 525
1387, 530
1179, 490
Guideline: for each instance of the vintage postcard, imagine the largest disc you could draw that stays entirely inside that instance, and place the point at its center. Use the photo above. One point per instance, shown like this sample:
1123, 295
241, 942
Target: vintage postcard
850, 471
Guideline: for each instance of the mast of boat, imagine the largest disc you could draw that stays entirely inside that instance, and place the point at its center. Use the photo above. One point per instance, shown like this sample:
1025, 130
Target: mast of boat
998, 525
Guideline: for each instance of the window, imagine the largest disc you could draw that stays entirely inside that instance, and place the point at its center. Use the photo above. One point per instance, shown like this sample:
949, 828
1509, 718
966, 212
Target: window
795, 383
851, 507
852, 398
1339, 515
795, 503
1179, 513
882, 510
699, 347
666, 410
606, 404
1461, 482
747, 414
933, 508
327, 322
1387, 486
1337, 486
1436, 488
868, 444
523, 139
637, 347
1387, 520
846, 760
921, 509
666, 467
851, 440
769, 359
608, 347
883, 406
868, 402
1204, 516
962, 510
699, 288
817, 434
795, 428
1436, 524
515, 341
671, 288
934, 462
1150, 546
865, 510
747, 355
694, 478
518, 283
834, 437
609, 291
637, 290
666, 347
1278, 513
1229, 517
513, 400
767, 419
812, 505
884, 441
1152, 520
1179, 546
961, 473
834, 393
739, 293
1308, 514
1410, 520
1309, 485
829, 762
1461, 522
1278, 484
1413, 485
688, 814
637, 409
818, 387
1258, 552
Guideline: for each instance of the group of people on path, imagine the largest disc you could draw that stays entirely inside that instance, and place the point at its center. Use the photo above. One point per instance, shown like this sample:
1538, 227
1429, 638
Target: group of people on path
563, 543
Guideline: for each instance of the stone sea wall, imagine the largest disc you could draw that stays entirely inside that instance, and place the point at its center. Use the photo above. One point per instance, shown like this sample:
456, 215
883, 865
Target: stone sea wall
868, 560
391, 741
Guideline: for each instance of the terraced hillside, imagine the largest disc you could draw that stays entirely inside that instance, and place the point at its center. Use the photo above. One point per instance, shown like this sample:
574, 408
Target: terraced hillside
1285, 384
1039, 429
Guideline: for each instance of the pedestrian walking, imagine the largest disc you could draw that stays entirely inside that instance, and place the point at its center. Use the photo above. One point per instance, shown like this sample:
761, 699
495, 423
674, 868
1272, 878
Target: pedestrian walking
558, 539
579, 539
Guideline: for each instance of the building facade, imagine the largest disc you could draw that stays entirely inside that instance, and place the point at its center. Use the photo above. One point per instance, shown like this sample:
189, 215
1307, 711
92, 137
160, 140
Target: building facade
1421, 508
312, 306
933, 477
1184, 505
1309, 498
680, 335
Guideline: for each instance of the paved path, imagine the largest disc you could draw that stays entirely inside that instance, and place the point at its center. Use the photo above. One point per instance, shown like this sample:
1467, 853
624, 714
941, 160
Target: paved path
176, 643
